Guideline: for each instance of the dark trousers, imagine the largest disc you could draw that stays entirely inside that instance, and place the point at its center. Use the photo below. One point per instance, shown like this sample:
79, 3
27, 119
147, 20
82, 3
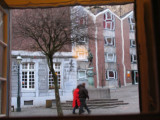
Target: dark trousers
83, 105
76, 107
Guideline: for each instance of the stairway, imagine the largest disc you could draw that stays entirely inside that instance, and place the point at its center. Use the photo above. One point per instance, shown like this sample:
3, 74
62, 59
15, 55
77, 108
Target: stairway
94, 104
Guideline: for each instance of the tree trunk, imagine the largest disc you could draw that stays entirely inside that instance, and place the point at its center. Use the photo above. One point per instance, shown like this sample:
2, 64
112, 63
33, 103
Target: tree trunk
58, 103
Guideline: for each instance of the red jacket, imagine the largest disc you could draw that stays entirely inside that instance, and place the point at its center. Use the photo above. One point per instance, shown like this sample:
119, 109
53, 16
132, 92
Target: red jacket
76, 97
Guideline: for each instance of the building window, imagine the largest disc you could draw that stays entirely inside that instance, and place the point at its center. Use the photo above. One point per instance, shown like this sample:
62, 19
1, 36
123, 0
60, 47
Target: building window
82, 40
109, 21
81, 55
131, 23
57, 68
28, 76
132, 43
81, 74
111, 74
110, 57
109, 41
83, 20
133, 58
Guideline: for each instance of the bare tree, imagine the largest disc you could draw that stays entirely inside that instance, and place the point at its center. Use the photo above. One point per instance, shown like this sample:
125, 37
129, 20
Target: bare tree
51, 29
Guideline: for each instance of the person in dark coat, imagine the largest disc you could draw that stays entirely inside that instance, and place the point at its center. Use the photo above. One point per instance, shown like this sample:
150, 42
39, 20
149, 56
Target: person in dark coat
76, 101
83, 94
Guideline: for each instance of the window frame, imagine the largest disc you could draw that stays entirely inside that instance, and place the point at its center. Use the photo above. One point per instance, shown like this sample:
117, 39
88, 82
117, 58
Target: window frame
28, 70
83, 40
133, 58
131, 24
84, 55
110, 21
5, 61
84, 77
50, 77
111, 78
110, 60
131, 43
112, 44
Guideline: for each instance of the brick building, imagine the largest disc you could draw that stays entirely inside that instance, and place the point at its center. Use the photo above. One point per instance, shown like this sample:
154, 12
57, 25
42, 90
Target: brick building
114, 49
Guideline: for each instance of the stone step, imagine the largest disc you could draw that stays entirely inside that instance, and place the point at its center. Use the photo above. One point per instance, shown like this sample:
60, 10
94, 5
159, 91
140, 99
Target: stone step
93, 104
98, 104
98, 100
93, 107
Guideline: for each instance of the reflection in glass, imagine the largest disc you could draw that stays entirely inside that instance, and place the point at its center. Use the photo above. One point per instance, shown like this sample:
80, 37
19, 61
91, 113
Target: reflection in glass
1, 26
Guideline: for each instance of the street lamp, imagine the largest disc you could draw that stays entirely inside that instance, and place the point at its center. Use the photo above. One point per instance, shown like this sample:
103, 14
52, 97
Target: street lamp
19, 59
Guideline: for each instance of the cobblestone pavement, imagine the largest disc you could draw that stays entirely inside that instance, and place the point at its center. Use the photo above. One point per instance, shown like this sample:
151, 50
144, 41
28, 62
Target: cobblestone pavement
129, 94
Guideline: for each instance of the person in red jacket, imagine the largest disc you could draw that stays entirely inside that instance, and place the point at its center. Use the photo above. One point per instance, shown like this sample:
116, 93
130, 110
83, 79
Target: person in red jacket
76, 101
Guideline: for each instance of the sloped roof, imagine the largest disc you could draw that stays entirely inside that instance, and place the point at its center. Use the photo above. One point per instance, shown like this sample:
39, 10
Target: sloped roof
55, 3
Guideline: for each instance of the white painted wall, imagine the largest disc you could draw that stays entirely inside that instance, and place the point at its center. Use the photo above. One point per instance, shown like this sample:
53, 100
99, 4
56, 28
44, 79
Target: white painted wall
39, 96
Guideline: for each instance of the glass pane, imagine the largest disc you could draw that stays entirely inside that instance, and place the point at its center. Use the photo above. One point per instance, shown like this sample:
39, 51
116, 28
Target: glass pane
132, 19
108, 16
1, 26
109, 40
1, 60
31, 66
111, 74
134, 42
103, 25
24, 66
110, 56
109, 25
81, 74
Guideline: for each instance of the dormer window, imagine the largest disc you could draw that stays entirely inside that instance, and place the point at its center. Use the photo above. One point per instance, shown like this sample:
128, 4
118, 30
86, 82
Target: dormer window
109, 21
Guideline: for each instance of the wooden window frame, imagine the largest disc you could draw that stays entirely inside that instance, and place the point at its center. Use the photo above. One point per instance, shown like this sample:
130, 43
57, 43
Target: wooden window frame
147, 37
3, 79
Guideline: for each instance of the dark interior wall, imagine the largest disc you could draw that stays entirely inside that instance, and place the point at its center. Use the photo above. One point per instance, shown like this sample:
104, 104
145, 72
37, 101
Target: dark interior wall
156, 21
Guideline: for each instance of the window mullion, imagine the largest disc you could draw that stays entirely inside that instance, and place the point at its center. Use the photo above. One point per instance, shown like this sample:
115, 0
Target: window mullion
28, 76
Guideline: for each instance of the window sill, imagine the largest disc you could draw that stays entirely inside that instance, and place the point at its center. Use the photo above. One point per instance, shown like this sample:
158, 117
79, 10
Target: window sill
54, 89
82, 79
110, 61
133, 62
132, 31
82, 60
111, 79
28, 91
109, 46
2, 115
109, 29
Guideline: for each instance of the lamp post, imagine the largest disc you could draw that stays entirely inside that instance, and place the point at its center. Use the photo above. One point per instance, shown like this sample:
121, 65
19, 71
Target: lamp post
19, 59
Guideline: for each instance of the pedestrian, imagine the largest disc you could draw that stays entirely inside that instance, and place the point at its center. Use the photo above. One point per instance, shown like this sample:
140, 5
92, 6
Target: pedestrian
83, 94
76, 101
